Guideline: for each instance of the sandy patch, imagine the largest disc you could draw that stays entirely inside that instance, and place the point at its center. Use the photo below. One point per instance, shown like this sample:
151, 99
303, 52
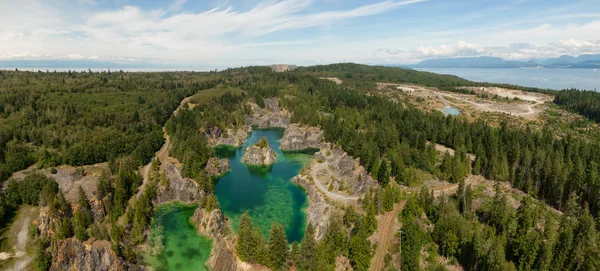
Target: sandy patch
336, 80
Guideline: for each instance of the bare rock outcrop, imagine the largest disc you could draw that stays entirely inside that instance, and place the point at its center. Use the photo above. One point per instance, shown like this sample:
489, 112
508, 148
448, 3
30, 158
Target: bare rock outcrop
343, 264
270, 116
223, 258
259, 155
44, 223
297, 137
319, 209
231, 137
71, 254
343, 170
210, 223
217, 167
332, 180
178, 188
283, 67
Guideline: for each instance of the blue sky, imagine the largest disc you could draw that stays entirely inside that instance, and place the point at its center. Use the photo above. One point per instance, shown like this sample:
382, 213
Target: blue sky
232, 33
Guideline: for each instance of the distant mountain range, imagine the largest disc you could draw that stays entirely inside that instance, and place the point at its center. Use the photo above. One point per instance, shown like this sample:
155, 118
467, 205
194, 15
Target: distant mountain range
565, 61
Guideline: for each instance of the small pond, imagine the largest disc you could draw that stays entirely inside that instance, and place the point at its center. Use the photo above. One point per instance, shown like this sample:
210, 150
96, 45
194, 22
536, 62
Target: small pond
182, 247
451, 111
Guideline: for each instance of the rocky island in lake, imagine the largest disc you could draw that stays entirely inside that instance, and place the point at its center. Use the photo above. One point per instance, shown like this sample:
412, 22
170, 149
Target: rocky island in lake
260, 154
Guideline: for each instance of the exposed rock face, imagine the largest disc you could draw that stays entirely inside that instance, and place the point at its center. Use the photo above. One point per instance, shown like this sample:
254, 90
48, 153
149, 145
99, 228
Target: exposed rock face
298, 137
232, 137
211, 223
319, 209
332, 179
217, 167
223, 257
259, 156
343, 264
71, 254
270, 116
181, 189
345, 169
44, 223
282, 67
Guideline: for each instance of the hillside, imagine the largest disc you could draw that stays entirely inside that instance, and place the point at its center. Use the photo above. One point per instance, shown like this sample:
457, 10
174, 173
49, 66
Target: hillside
387, 181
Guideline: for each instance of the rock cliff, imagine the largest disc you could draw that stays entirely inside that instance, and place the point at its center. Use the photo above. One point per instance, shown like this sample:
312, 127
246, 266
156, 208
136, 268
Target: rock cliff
270, 116
71, 254
259, 156
217, 167
212, 224
178, 188
332, 180
297, 137
320, 207
223, 258
231, 137
334, 166
44, 223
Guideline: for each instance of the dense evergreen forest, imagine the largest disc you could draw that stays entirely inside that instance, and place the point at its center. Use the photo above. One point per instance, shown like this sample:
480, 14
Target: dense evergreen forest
586, 103
49, 119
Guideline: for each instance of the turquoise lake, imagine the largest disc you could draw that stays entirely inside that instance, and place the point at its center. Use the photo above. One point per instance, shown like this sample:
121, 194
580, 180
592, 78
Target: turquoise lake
183, 248
267, 193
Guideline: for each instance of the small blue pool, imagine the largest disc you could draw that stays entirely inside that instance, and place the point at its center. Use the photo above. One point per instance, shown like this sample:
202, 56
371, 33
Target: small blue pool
451, 111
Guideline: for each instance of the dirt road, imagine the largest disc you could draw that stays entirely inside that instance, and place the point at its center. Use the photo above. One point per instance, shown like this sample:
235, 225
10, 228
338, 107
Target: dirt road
18, 235
386, 228
346, 199
162, 154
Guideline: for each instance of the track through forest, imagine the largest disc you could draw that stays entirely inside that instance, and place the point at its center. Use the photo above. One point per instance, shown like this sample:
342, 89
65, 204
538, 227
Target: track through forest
163, 153
386, 228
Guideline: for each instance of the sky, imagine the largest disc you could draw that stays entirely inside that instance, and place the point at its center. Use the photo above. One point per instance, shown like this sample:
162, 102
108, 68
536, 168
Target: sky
228, 33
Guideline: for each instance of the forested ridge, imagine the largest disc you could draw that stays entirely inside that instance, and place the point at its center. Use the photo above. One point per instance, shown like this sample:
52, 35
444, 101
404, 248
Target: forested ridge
586, 103
559, 171
85, 118
79, 118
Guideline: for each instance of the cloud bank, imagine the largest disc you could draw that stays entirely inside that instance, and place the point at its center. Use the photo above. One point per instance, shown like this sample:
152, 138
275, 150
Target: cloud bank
293, 31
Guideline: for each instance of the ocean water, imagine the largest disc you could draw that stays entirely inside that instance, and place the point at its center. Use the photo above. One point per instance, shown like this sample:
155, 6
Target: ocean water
267, 193
183, 248
552, 78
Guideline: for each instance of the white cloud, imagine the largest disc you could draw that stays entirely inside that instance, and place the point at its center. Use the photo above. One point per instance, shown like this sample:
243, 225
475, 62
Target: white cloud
36, 29
164, 33
461, 48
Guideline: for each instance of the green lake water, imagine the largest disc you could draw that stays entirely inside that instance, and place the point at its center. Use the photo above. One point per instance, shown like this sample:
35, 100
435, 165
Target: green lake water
183, 248
267, 193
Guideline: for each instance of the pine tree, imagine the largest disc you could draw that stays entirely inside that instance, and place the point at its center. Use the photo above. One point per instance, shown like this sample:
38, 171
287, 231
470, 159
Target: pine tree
295, 254
278, 246
360, 251
383, 176
81, 221
246, 245
262, 255
308, 255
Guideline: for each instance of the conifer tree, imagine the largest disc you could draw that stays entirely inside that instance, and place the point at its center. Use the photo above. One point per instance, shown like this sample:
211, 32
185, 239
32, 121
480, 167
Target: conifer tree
308, 255
278, 246
246, 245
295, 254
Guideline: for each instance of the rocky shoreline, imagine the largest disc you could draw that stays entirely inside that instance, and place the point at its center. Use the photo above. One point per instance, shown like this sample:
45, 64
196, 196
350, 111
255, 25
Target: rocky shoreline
271, 116
332, 180
259, 156
231, 137
217, 167
299, 137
